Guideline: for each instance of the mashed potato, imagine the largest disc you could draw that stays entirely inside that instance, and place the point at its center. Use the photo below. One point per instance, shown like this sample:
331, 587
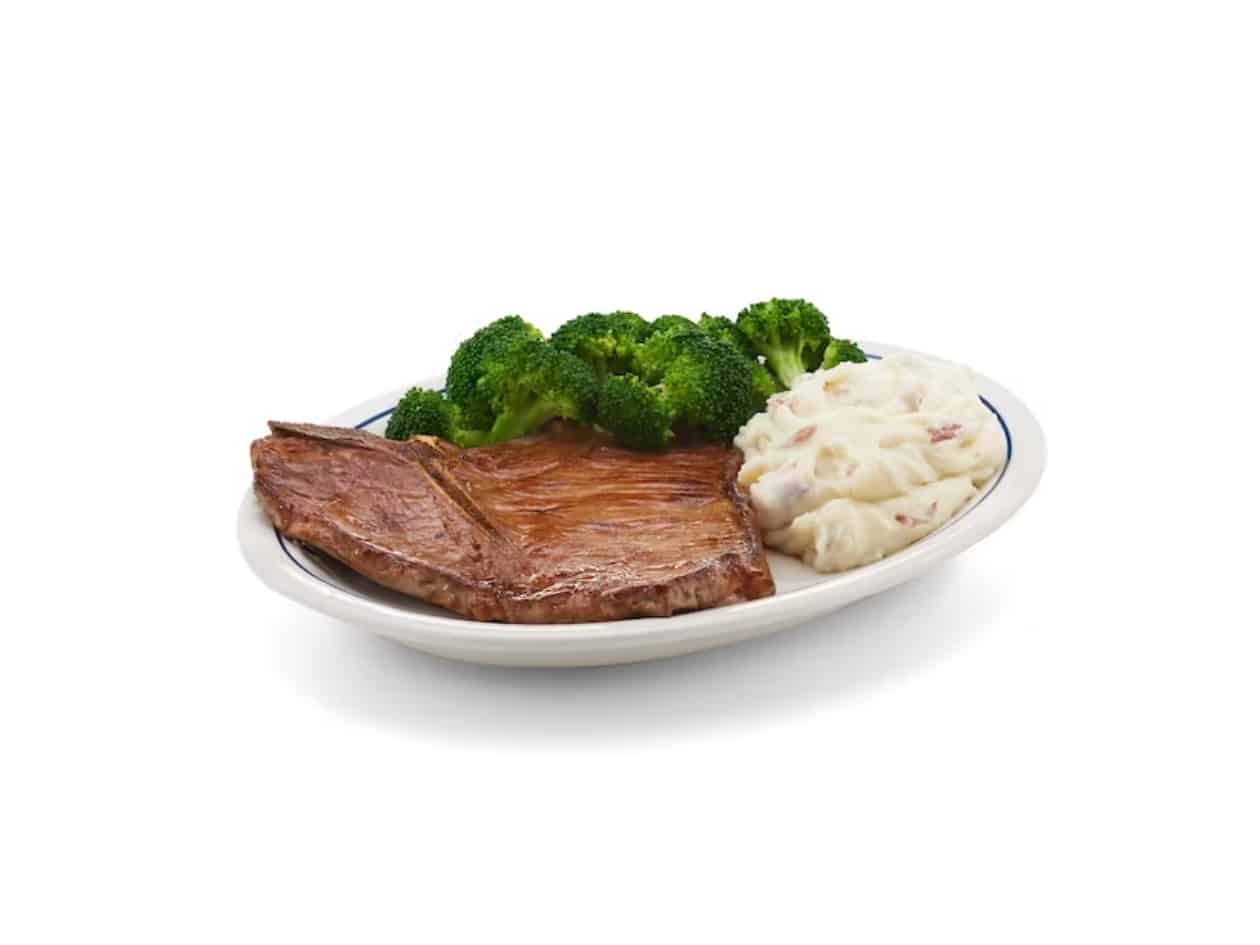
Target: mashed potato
861, 460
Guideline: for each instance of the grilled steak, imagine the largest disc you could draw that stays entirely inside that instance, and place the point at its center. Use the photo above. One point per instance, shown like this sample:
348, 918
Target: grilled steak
555, 528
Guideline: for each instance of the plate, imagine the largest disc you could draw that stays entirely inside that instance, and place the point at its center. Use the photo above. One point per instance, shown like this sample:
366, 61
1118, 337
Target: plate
322, 584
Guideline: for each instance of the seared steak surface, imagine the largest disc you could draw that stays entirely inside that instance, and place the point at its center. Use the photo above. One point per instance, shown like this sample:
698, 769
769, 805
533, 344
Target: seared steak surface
555, 528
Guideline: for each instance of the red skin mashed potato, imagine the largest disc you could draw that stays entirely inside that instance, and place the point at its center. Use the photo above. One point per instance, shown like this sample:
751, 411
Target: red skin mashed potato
861, 460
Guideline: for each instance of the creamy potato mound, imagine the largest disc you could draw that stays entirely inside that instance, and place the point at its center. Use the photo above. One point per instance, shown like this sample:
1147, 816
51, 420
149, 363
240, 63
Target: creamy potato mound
859, 461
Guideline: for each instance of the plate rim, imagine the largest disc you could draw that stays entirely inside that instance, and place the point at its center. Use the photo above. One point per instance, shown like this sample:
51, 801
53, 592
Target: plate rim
268, 557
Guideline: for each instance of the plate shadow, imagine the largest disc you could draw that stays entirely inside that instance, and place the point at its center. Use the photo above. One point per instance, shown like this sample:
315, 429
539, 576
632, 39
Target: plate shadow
869, 644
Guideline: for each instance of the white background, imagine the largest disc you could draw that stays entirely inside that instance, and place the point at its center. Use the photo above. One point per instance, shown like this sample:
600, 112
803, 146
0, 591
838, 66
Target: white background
214, 214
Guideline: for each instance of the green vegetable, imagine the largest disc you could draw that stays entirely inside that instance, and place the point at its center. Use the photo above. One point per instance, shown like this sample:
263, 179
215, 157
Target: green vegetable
506, 381
721, 327
468, 367
669, 323
607, 342
841, 350
643, 382
637, 415
709, 385
528, 382
423, 413
791, 334
764, 383
688, 378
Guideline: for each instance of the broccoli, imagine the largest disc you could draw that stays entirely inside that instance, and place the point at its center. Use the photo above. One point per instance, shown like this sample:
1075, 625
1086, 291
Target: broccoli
721, 327
606, 342
507, 380
643, 382
528, 382
764, 383
636, 414
669, 323
841, 350
423, 412
657, 353
687, 379
468, 367
791, 334
709, 385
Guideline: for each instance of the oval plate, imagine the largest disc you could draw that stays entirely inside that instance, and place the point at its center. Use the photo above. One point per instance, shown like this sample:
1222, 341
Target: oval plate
327, 586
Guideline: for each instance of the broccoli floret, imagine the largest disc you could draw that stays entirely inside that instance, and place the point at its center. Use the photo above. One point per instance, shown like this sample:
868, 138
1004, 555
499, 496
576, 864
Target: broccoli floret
669, 323
764, 383
721, 327
791, 334
702, 384
607, 342
422, 412
526, 383
651, 357
468, 367
657, 353
507, 380
841, 349
709, 385
638, 416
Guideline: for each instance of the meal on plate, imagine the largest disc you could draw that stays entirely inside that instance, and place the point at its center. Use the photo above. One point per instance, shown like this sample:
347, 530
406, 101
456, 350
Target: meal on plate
625, 467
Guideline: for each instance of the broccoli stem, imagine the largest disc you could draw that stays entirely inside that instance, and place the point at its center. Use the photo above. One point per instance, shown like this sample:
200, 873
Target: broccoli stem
472, 438
523, 419
787, 364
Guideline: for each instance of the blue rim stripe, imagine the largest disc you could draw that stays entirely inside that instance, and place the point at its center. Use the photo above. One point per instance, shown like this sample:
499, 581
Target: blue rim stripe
372, 419
1006, 431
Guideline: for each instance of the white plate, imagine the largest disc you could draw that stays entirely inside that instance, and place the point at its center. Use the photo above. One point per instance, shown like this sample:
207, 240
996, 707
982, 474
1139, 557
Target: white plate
330, 588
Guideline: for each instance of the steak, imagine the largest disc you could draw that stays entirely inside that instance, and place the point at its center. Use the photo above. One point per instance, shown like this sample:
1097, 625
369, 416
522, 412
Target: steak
559, 527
